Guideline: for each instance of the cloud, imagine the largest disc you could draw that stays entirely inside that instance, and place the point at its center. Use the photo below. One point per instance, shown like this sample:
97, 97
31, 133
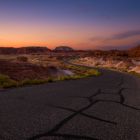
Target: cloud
114, 47
125, 35
119, 36
96, 39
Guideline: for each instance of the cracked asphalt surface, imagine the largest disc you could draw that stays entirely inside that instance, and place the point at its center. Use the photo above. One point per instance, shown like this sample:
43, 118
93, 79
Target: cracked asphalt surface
96, 108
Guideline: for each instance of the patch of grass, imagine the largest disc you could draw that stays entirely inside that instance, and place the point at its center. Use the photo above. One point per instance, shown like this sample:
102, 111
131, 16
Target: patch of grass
80, 72
6, 82
87, 73
74, 77
134, 73
72, 67
93, 72
32, 82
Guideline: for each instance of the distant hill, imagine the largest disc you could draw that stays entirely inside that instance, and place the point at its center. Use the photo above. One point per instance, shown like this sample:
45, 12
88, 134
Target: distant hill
32, 50
63, 49
134, 52
24, 50
8, 50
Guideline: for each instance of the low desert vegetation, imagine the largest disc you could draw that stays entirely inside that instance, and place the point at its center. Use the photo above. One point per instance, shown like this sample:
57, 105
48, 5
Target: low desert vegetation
31, 66
121, 64
135, 73
80, 72
6, 82
88, 73
31, 82
21, 70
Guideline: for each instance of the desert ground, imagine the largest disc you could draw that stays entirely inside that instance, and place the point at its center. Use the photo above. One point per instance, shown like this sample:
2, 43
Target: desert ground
125, 61
37, 65
128, 65
29, 69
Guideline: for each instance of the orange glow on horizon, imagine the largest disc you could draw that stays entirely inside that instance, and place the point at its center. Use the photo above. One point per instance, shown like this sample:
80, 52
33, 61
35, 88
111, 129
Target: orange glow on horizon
78, 37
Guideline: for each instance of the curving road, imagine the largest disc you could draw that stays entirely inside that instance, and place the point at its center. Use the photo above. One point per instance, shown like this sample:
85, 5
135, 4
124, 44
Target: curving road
96, 108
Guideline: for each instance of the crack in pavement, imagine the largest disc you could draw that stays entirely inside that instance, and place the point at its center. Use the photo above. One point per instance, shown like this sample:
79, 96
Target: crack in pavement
92, 102
122, 98
84, 114
62, 123
89, 98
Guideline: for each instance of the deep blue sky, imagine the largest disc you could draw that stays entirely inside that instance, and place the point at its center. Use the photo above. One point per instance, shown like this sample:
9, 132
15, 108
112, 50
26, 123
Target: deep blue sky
81, 23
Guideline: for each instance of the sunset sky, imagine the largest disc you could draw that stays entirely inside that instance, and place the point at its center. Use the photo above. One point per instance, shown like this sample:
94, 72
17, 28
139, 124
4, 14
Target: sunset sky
81, 24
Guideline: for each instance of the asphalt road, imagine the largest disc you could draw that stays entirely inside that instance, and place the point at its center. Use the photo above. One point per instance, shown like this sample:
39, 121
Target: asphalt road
97, 108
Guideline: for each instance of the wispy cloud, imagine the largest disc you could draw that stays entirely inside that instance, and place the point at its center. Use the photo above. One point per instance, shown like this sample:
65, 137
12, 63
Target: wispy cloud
119, 36
125, 35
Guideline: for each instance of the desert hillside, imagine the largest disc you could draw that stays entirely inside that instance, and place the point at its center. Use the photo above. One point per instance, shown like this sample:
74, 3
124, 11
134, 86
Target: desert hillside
24, 50
134, 52
128, 60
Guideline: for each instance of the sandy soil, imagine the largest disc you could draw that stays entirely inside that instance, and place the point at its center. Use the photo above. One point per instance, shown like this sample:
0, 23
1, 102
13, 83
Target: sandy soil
125, 65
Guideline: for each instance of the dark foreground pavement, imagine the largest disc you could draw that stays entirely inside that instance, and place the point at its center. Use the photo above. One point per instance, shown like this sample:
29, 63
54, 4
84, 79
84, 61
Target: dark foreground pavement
102, 108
